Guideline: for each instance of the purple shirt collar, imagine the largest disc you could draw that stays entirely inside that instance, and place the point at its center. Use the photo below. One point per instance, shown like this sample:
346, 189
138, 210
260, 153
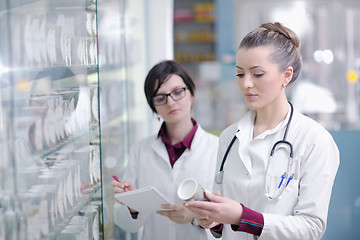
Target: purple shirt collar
186, 142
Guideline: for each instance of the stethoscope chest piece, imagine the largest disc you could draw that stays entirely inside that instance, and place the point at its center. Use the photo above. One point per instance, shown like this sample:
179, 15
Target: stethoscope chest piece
219, 177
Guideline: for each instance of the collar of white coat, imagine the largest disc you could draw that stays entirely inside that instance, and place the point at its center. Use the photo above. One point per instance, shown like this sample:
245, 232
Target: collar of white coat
245, 135
159, 147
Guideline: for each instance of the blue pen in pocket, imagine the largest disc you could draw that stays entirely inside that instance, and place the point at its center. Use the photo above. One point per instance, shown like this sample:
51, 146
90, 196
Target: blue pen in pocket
290, 178
282, 179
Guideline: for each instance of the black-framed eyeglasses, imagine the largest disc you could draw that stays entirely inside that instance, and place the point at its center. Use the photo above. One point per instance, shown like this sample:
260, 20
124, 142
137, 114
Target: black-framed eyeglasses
177, 94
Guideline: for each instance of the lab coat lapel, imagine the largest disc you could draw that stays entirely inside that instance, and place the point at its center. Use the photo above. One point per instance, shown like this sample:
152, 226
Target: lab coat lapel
244, 136
159, 148
243, 153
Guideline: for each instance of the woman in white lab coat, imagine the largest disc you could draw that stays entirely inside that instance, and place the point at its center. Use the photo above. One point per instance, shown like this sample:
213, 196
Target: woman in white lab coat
285, 196
180, 150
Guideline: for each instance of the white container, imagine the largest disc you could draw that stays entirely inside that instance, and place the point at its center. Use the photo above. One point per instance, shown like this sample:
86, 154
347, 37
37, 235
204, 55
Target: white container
191, 189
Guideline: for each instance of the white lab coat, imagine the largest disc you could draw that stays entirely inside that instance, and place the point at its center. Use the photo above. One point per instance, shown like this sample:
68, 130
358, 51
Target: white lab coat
149, 165
301, 211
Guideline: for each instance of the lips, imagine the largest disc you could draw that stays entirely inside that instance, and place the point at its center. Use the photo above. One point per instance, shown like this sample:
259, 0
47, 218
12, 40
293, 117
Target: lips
173, 111
250, 95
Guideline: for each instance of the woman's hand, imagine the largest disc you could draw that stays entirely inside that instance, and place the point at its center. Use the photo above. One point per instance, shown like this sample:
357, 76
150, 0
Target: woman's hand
121, 187
219, 210
177, 213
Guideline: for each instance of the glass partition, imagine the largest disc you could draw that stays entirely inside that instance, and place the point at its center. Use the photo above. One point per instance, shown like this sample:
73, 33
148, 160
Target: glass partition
71, 104
50, 156
122, 49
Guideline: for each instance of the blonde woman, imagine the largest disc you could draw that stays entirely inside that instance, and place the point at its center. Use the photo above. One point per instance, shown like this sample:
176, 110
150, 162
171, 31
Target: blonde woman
277, 178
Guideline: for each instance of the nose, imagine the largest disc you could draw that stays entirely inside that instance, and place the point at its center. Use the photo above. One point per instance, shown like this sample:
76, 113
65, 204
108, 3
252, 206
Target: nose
170, 100
246, 82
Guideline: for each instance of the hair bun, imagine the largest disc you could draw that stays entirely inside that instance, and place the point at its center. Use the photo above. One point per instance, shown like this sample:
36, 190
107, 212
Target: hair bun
281, 29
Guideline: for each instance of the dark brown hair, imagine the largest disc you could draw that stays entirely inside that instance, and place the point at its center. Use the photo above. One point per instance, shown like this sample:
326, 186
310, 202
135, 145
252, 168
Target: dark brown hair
159, 74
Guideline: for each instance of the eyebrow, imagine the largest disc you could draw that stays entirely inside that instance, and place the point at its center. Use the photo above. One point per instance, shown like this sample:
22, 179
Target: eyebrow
254, 67
173, 89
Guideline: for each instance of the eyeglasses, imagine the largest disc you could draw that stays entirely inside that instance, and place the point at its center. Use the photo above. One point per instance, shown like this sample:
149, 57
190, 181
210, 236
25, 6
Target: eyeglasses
176, 95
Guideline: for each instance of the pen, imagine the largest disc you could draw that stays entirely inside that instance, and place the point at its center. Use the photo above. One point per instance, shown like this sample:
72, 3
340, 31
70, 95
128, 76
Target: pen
116, 179
282, 179
290, 178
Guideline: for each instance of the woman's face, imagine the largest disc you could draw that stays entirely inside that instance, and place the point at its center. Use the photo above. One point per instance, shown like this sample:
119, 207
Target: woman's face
259, 79
174, 111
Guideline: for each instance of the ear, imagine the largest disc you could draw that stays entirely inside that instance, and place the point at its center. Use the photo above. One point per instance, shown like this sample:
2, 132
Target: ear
288, 74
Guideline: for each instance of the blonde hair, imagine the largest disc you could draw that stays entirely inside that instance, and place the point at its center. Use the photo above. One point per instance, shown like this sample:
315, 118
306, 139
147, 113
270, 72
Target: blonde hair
284, 42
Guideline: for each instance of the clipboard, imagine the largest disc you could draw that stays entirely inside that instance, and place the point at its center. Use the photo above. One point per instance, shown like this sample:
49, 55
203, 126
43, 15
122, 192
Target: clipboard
144, 200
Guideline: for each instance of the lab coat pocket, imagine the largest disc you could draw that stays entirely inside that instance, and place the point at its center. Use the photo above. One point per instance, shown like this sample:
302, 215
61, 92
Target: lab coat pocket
275, 186
283, 199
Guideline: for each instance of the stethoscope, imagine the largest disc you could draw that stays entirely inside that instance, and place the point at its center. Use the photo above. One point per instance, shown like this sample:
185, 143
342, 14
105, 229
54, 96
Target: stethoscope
285, 178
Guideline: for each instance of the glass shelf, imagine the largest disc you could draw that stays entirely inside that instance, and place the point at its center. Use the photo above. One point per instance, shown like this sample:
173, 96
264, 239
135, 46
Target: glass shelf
75, 211
49, 118
63, 62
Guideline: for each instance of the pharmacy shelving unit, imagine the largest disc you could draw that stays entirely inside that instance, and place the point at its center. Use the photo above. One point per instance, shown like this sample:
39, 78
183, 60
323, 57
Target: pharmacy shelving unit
66, 101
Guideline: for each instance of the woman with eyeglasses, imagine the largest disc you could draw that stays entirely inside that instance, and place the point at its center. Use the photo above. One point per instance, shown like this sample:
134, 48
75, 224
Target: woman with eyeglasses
180, 150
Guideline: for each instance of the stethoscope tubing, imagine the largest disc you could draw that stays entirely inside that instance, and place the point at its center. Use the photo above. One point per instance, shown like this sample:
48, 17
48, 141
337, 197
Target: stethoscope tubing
220, 175
227, 151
